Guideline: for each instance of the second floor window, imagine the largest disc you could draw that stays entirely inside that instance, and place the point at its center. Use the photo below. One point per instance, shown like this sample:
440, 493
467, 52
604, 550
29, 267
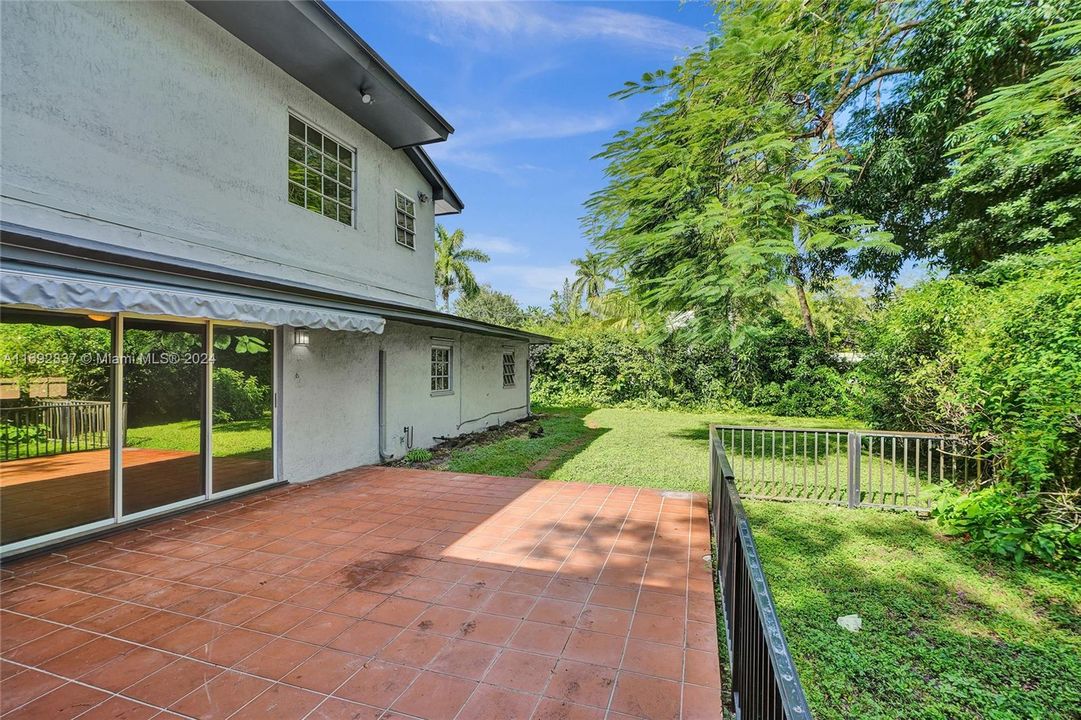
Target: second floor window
320, 172
405, 220
440, 369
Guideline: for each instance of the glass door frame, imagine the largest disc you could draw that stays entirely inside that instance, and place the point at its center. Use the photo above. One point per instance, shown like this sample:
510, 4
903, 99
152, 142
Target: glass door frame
116, 444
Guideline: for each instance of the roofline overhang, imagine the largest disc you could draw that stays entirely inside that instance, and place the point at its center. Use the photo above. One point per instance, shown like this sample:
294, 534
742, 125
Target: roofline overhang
446, 200
310, 42
45, 249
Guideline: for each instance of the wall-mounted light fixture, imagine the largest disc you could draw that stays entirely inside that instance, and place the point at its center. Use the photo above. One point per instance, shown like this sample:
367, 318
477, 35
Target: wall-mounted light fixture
301, 337
423, 197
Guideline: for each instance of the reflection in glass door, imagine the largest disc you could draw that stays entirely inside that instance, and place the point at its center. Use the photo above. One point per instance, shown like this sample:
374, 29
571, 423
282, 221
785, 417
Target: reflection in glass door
164, 397
242, 437
55, 419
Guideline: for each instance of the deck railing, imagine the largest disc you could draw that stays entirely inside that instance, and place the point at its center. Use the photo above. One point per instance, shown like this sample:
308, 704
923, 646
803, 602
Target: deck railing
763, 676
857, 468
53, 427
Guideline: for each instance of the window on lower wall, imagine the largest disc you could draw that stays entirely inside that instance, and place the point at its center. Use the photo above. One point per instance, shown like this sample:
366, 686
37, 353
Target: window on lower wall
441, 369
405, 220
320, 172
508, 369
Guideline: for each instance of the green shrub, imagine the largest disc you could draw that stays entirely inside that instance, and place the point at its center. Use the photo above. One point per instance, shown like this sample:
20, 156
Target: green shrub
238, 396
995, 357
1008, 521
418, 455
777, 368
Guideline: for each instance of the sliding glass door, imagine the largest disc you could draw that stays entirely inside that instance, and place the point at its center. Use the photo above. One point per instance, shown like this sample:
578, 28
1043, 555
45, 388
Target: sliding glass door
164, 408
55, 419
105, 419
243, 416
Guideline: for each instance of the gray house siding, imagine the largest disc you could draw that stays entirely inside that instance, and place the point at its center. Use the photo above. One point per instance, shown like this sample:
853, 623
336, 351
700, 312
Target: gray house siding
330, 391
143, 145
148, 125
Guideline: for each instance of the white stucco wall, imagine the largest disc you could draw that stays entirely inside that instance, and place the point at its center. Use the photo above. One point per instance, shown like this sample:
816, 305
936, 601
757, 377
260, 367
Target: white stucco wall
330, 395
147, 125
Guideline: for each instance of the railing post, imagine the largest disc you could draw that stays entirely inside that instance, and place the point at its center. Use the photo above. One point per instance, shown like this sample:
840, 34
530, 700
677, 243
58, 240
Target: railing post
855, 455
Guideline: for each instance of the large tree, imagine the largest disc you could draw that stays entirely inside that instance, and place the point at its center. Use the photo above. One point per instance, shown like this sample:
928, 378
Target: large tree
726, 190
452, 258
906, 147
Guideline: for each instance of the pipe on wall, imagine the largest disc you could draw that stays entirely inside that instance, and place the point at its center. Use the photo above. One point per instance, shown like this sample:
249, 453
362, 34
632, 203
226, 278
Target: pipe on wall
381, 404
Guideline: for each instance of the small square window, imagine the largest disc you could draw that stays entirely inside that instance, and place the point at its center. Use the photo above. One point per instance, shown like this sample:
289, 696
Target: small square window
508, 369
440, 369
405, 213
320, 175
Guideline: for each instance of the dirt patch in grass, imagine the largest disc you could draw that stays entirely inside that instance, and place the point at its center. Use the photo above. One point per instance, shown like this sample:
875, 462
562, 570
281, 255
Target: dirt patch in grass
441, 453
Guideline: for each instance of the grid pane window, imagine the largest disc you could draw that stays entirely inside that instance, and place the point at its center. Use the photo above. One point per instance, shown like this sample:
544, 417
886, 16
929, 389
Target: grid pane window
320, 173
405, 219
508, 369
440, 369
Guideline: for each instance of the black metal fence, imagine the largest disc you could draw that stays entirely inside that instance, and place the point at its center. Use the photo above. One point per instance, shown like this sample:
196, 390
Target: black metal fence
53, 427
763, 676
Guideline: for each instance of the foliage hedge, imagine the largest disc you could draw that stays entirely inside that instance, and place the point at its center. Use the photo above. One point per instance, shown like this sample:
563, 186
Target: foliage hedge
995, 356
777, 368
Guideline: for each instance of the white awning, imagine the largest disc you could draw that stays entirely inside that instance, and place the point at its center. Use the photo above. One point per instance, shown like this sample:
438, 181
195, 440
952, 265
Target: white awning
53, 292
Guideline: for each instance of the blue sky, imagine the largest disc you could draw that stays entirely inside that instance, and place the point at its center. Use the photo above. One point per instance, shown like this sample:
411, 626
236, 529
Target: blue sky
526, 86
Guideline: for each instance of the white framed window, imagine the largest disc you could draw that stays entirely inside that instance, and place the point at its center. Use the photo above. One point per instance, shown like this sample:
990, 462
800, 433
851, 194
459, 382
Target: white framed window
441, 356
320, 172
508, 368
405, 220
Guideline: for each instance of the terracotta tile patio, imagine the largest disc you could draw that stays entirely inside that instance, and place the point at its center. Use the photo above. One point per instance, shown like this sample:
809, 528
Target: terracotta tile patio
376, 593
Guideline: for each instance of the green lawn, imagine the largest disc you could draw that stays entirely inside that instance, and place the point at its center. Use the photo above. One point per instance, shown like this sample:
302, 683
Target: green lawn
644, 448
947, 634
249, 438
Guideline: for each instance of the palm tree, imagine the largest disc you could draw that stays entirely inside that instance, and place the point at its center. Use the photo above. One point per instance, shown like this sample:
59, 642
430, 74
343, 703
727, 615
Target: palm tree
590, 276
452, 271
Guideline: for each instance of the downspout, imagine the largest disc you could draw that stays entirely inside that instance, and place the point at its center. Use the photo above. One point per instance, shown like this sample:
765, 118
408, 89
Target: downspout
382, 406
528, 380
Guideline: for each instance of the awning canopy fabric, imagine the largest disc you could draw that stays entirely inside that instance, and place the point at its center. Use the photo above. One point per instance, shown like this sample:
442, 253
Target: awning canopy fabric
55, 292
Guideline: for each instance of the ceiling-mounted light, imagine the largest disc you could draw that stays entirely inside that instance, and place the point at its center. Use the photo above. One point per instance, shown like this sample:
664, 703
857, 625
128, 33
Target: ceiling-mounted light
301, 337
97, 317
365, 97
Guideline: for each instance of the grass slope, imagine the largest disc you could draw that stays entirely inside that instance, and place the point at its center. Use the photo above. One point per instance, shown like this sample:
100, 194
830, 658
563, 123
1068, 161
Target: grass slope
945, 634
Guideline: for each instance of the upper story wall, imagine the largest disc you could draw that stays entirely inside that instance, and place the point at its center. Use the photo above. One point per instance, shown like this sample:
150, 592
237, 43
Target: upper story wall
147, 125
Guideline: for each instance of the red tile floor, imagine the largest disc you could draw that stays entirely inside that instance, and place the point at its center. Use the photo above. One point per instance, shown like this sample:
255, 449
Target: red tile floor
376, 593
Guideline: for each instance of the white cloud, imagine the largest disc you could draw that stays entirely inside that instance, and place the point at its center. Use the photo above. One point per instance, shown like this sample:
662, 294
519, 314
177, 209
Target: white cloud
529, 284
488, 24
495, 245
473, 148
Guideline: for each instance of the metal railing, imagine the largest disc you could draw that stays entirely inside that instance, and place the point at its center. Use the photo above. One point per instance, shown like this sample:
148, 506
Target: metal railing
763, 675
857, 468
53, 427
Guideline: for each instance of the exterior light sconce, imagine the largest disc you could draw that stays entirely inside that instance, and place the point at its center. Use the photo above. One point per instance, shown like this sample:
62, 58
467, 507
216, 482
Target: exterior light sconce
423, 197
301, 338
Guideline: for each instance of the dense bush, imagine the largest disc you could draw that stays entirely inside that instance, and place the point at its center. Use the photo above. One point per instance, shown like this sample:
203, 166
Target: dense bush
238, 396
995, 356
777, 368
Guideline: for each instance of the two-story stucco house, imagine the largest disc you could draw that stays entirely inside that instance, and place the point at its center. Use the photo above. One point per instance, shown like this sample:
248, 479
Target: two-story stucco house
217, 263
